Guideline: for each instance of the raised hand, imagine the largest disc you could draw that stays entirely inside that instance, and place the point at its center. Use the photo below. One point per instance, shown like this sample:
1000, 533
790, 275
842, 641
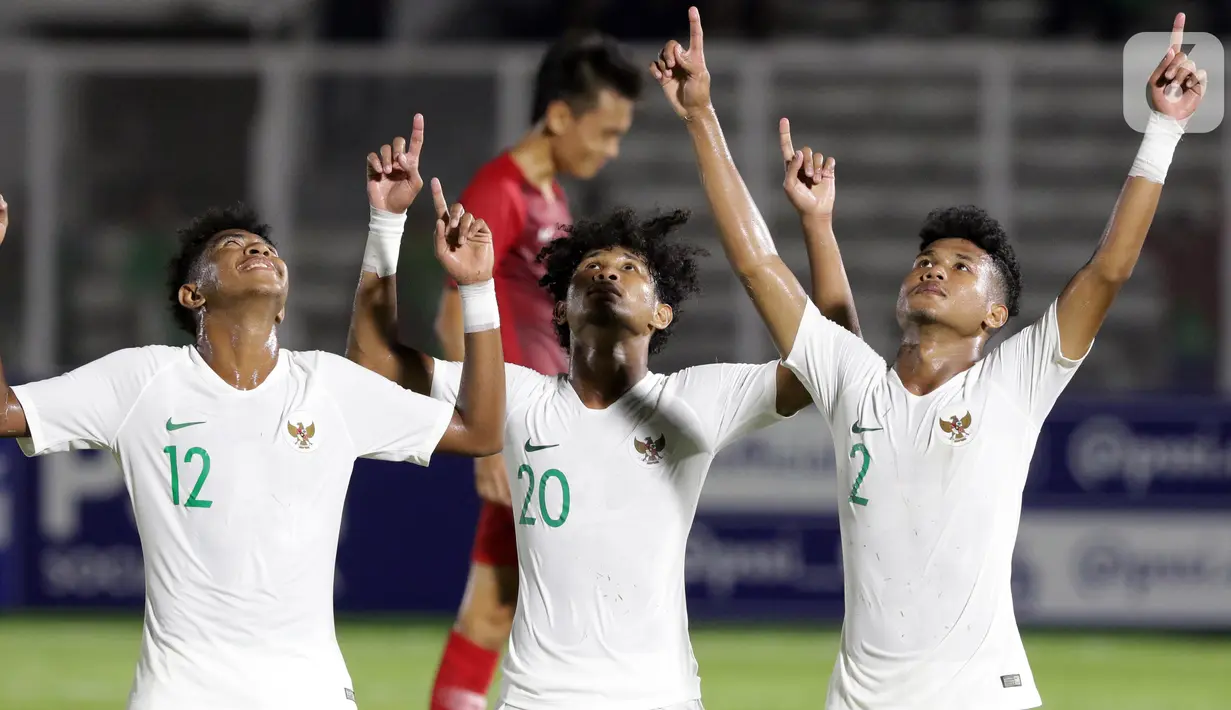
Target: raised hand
463, 241
809, 182
682, 73
393, 175
1176, 86
4, 218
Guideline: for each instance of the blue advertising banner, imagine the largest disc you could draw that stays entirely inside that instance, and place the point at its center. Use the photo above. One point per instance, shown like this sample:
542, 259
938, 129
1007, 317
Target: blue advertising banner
13, 475
1112, 532
1157, 453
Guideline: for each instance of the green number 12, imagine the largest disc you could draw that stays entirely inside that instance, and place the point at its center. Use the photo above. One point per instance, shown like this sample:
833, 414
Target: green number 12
863, 471
193, 500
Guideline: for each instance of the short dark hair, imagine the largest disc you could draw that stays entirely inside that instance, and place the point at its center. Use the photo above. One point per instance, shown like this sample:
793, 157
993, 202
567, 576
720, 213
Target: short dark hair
577, 67
195, 239
975, 225
672, 264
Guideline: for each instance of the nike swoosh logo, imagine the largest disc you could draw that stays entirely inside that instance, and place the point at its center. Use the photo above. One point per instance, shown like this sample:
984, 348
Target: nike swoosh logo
531, 448
856, 429
174, 427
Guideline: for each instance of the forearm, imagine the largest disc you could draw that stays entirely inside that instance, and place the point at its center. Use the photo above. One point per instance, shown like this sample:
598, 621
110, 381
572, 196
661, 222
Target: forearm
12, 415
372, 338
746, 241
831, 290
480, 403
449, 330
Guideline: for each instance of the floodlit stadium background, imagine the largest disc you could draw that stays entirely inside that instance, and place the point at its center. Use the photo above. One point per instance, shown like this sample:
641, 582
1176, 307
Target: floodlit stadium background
120, 118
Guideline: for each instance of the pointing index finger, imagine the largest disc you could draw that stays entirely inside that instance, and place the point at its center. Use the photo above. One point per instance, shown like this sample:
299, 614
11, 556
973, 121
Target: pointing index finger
695, 36
784, 140
1177, 32
438, 199
416, 136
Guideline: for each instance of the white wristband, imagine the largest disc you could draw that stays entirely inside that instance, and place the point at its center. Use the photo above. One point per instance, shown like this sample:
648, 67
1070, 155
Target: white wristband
1157, 147
384, 242
479, 308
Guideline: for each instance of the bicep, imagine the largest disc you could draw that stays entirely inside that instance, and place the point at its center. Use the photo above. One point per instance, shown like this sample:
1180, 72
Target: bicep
779, 298
1081, 310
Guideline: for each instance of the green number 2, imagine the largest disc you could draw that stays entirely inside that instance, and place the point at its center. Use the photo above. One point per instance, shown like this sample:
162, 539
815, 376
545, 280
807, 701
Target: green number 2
549, 474
193, 500
863, 471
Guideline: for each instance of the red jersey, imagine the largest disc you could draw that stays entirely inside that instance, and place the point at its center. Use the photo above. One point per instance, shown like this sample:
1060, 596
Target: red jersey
522, 220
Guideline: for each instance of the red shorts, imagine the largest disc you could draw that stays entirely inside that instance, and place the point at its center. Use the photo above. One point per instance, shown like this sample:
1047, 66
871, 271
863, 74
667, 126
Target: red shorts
495, 541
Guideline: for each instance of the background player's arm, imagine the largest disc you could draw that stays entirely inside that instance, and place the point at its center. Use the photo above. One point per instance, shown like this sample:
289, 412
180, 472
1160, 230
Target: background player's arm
810, 185
12, 415
1085, 301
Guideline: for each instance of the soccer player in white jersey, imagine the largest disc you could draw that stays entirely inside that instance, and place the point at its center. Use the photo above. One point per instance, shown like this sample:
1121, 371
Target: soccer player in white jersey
237, 454
605, 462
933, 451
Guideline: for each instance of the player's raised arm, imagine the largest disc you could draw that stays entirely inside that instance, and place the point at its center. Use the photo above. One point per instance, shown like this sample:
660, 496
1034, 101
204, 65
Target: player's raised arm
393, 183
1174, 90
745, 238
12, 416
810, 186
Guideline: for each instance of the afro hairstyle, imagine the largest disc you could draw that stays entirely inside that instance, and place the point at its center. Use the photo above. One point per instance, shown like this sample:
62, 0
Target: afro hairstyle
195, 240
672, 263
979, 228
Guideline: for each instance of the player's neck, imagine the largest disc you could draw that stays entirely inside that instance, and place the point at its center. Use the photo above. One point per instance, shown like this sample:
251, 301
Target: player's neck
602, 372
533, 156
242, 348
930, 356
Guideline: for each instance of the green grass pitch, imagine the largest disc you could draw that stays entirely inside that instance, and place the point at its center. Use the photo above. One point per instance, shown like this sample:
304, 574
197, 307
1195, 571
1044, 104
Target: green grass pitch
86, 663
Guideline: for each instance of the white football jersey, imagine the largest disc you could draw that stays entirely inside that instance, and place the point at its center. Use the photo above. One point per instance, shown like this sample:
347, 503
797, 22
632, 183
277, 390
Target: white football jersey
238, 500
603, 501
933, 495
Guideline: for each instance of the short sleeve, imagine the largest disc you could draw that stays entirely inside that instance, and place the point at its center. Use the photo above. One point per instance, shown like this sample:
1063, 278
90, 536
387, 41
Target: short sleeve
519, 381
385, 421
731, 400
1031, 367
85, 408
829, 360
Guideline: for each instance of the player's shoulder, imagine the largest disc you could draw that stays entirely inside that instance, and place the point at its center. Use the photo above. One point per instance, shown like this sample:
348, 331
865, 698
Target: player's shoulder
321, 361
146, 360
498, 173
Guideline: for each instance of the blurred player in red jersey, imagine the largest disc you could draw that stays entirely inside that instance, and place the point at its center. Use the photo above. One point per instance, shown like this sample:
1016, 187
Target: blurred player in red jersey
583, 105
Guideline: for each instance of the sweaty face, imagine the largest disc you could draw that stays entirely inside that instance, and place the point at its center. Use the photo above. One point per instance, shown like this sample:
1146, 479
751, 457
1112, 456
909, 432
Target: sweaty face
952, 283
240, 264
614, 289
584, 142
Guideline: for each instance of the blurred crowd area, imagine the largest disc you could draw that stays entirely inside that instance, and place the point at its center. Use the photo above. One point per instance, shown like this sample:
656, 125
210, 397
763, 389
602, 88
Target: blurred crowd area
142, 154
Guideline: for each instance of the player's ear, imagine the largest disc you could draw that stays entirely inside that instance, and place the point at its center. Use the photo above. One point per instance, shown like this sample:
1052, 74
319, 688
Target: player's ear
559, 118
996, 317
663, 315
190, 296
559, 314
281, 315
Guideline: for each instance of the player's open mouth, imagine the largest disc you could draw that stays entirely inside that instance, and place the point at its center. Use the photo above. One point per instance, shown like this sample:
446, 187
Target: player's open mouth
257, 262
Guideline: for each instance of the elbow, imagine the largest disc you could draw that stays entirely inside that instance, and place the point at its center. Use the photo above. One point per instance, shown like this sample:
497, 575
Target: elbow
1111, 272
486, 443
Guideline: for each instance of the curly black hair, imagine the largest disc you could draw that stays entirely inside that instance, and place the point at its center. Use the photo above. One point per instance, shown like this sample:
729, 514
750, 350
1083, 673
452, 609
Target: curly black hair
672, 264
195, 240
978, 227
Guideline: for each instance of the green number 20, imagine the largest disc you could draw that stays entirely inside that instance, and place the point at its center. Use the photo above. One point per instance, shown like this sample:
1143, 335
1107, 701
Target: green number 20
193, 500
548, 475
863, 471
